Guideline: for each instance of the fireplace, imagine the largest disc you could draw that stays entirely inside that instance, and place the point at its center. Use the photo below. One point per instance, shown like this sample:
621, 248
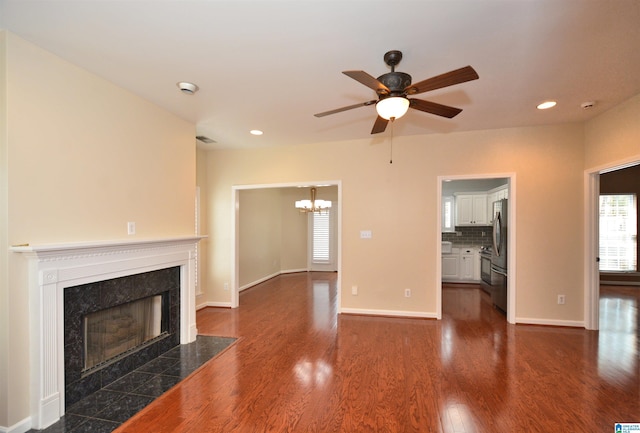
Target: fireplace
112, 327
58, 369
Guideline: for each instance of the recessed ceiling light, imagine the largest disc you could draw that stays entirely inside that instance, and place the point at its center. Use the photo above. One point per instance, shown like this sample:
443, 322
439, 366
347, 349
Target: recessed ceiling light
546, 104
256, 132
187, 88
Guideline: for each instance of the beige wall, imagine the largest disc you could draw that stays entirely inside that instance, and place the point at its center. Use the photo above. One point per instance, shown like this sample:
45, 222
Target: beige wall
397, 202
260, 234
294, 234
4, 244
203, 217
614, 136
84, 158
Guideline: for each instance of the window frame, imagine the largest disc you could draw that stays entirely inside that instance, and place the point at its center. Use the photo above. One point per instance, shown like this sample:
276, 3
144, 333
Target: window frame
627, 244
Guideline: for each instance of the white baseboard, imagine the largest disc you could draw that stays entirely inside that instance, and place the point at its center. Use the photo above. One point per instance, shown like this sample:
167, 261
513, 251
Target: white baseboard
268, 277
213, 304
294, 271
261, 280
20, 427
245, 287
389, 313
549, 322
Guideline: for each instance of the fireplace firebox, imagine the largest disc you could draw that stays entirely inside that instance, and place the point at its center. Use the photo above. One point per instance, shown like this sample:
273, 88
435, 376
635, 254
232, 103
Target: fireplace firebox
111, 333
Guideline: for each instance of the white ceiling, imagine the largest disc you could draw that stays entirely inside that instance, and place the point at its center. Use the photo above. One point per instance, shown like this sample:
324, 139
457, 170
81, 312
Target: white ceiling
271, 65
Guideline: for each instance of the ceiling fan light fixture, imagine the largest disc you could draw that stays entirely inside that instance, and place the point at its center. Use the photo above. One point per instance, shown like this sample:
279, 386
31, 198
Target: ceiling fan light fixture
392, 107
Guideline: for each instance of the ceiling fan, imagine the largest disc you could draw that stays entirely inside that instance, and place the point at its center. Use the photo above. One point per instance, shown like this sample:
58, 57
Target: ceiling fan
393, 89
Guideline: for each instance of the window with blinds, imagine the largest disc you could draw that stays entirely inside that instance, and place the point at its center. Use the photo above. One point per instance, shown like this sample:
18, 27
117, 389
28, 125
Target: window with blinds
321, 237
447, 214
618, 232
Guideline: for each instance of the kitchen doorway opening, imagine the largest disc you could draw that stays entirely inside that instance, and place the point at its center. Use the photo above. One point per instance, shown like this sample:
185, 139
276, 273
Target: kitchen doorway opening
466, 227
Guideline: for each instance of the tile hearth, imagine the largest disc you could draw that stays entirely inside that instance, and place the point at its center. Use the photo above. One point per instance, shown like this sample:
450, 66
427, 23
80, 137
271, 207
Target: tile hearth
104, 410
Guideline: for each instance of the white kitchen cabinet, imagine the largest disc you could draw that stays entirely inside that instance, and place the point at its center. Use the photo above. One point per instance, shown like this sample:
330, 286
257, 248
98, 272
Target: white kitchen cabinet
494, 195
466, 266
463, 264
471, 209
477, 263
450, 266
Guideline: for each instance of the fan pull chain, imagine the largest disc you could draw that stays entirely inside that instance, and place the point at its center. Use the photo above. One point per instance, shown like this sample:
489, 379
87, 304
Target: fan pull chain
391, 149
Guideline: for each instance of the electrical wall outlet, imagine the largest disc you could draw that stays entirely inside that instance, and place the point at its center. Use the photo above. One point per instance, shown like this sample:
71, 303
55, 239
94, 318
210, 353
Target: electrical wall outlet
225, 286
354, 290
131, 228
560, 299
407, 293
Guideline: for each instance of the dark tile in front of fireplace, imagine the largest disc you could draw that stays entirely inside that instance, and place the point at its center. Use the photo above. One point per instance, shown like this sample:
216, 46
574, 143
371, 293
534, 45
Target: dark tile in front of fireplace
95, 403
130, 382
158, 365
124, 408
157, 385
104, 410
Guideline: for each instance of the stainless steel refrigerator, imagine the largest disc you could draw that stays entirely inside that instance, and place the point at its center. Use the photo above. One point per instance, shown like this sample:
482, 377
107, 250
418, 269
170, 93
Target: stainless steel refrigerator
499, 270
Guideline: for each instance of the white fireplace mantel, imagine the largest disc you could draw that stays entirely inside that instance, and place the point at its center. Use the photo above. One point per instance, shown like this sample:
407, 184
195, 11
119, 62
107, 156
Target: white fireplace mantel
54, 267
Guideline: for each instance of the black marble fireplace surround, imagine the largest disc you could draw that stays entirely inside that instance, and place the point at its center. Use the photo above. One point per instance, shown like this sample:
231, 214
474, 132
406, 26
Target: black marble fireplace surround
92, 297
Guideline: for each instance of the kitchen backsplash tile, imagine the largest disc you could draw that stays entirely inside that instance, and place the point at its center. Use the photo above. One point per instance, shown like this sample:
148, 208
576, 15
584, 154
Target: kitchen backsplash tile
470, 236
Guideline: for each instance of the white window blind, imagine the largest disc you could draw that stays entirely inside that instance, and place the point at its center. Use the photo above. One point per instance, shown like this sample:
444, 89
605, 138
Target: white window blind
447, 214
618, 232
321, 237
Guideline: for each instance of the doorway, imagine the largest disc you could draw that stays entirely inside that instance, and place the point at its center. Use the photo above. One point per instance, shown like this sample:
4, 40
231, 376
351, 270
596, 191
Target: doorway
272, 267
471, 198
592, 236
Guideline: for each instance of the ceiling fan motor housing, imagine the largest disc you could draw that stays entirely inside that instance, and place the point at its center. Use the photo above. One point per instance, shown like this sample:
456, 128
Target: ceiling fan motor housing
396, 82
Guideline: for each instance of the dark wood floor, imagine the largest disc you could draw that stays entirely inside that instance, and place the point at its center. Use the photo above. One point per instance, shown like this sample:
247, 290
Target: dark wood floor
299, 367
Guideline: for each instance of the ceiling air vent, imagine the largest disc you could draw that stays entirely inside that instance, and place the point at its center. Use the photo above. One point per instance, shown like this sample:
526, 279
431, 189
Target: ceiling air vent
205, 139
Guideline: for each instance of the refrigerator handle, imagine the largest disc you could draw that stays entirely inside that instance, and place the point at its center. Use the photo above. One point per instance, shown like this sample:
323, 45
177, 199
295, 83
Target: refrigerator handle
496, 224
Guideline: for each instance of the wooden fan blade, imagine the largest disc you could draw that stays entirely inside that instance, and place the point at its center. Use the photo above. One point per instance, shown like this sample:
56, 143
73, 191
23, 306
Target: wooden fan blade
369, 81
380, 125
350, 107
450, 78
434, 108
